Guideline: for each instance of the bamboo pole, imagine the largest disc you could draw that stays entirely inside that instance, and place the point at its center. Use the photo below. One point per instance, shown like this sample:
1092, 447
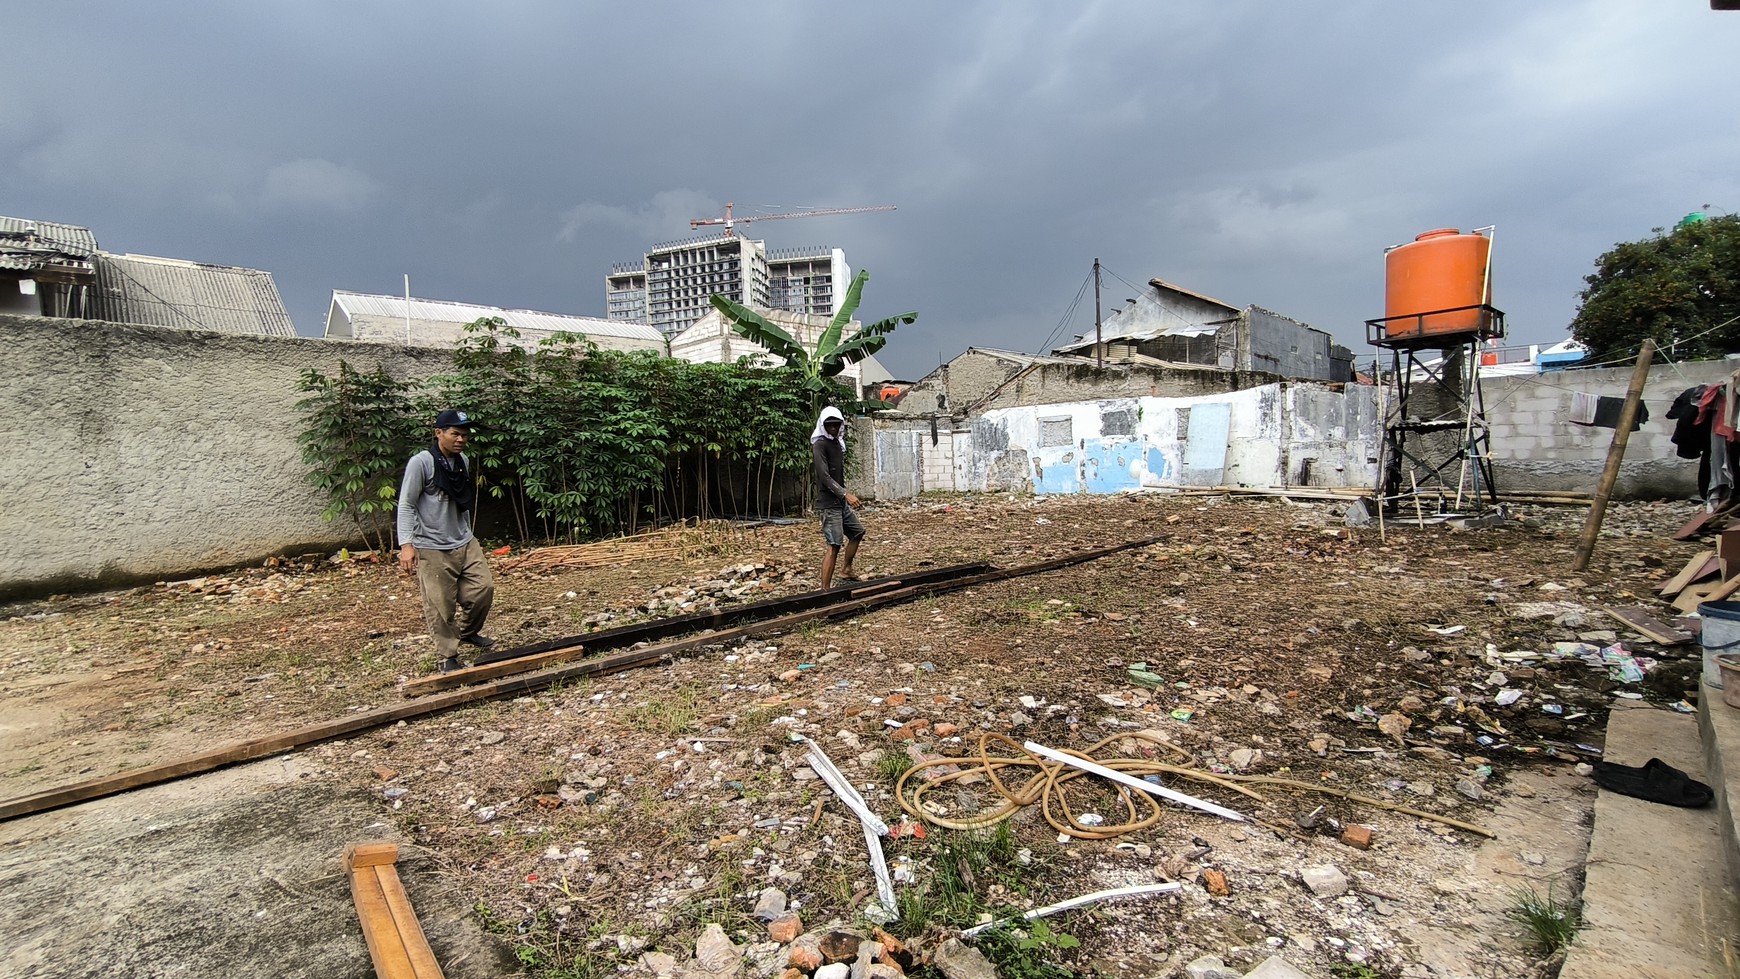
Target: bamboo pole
1615, 454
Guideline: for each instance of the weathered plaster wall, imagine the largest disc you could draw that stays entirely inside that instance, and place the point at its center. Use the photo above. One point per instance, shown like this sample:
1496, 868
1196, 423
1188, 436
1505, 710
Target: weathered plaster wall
1051, 383
142, 452
1534, 447
1270, 435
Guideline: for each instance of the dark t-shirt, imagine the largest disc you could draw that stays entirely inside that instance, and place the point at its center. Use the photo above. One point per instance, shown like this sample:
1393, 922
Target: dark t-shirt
830, 458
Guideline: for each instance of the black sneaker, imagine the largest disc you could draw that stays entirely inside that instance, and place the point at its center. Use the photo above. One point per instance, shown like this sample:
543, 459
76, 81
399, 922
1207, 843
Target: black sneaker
477, 639
450, 664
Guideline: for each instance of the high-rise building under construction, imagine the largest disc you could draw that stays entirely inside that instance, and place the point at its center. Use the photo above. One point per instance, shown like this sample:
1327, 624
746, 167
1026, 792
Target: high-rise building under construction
671, 286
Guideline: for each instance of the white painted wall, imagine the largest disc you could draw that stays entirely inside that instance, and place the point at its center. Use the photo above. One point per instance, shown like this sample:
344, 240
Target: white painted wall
1274, 435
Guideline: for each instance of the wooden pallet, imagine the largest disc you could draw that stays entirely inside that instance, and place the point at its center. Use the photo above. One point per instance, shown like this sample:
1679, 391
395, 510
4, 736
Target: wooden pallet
396, 941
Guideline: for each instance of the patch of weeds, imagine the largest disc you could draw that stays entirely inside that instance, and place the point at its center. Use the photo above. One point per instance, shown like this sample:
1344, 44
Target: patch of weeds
1550, 923
715, 903
893, 764
1353, 970
753, 719
1029, 955
667, 716
962, 863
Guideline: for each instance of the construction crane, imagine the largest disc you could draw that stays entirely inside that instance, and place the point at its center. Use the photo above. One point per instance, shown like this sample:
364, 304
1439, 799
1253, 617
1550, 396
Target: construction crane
728, 221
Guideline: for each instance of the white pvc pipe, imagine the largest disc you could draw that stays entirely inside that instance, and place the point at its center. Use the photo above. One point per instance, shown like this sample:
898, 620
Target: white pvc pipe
1131, 781
1076, 902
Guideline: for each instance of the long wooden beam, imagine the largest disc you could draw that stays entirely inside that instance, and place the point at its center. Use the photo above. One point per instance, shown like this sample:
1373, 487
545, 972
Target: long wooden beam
622, 637
97, 788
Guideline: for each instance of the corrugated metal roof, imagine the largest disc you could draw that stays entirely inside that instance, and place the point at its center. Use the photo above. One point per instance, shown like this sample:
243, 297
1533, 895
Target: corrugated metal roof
189, 295
357, 303
68, 238
1163, 284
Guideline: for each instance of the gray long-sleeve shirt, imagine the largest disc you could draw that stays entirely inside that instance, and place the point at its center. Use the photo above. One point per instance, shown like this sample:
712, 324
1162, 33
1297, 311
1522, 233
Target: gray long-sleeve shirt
427, 518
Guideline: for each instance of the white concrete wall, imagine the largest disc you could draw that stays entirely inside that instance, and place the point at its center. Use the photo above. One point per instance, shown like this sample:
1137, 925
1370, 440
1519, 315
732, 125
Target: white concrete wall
1261, 437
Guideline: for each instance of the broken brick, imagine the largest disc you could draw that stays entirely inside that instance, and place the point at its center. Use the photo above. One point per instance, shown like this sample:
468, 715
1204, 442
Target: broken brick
1215, 882
785, 928
1357, 836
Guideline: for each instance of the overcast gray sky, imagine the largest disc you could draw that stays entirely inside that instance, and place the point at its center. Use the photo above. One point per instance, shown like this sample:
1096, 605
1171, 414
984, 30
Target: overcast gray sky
507, 153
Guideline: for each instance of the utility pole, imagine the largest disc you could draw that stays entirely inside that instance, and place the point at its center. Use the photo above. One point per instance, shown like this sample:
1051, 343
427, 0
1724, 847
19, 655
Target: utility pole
1099, 342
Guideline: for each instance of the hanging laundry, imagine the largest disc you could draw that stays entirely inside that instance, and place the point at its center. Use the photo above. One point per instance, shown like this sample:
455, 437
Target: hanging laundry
1602, 411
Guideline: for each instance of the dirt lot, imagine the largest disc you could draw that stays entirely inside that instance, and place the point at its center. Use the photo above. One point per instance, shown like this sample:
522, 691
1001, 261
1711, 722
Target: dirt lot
588, 824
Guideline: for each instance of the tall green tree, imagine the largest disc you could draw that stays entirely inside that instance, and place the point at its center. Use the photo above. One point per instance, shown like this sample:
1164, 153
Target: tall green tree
1680, 288
833, 353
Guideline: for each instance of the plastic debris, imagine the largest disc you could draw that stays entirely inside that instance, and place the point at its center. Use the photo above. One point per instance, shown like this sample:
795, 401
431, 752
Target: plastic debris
1139, 672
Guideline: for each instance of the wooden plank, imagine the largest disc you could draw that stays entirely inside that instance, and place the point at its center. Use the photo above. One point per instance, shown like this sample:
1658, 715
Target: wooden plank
66, 795
1694, 526
411, 935
370, 855
477, 674
1648, 625
379, 930
1727, 588
1691, 597
1687, 574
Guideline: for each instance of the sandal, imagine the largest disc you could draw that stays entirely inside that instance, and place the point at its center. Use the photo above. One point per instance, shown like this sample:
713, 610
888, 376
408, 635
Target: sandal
1656, 781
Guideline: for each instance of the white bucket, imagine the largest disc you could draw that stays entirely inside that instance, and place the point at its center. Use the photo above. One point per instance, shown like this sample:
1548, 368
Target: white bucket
1721, 635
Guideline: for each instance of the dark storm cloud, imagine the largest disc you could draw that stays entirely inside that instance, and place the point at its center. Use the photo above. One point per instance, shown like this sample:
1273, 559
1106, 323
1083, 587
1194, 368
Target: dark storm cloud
1259, 153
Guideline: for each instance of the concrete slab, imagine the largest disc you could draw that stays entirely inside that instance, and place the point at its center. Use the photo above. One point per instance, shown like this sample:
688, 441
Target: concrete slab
1657, 899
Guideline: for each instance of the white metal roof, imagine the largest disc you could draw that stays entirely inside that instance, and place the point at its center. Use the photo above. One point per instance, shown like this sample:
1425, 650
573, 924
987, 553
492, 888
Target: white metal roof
439, 311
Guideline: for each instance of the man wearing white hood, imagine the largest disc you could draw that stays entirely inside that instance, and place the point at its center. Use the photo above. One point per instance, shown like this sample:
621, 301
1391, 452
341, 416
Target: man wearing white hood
834, 503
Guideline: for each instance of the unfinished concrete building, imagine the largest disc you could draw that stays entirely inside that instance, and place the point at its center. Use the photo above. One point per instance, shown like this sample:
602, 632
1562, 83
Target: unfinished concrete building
1171, 324
671, 287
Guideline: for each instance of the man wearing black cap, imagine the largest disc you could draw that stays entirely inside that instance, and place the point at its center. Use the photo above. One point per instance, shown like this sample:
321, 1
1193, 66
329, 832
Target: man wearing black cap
436, 501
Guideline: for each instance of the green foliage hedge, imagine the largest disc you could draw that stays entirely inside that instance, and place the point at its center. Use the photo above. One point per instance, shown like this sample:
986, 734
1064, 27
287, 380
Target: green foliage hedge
575, 441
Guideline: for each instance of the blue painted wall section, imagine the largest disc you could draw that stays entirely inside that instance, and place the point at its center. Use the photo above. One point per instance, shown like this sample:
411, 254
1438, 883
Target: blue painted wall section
1056, 475
1106, 464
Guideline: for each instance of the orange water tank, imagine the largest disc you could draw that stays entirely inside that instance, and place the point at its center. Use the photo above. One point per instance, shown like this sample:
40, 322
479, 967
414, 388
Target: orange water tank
1442, 269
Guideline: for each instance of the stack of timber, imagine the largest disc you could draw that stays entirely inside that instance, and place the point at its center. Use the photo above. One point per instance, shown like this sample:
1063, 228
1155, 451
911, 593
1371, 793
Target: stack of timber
1711, 575
396, 941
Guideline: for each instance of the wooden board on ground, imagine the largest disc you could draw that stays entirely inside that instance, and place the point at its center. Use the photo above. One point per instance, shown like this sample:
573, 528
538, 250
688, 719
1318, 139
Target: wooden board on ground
477, 674
397, 945
1694, 526
1692, 596
1657, 631
1688, 574
1727, 588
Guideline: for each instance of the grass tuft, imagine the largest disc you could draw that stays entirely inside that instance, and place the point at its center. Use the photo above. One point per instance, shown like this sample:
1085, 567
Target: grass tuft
1551, 923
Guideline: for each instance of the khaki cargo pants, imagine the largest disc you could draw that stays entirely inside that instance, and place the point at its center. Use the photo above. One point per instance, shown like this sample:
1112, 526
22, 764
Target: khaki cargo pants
457, 592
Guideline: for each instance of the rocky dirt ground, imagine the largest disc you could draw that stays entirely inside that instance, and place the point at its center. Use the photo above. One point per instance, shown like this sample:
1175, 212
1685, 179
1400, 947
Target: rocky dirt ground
610, 825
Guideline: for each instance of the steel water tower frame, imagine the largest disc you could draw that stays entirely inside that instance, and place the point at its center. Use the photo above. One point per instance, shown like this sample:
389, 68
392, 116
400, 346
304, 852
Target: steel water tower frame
1436, 441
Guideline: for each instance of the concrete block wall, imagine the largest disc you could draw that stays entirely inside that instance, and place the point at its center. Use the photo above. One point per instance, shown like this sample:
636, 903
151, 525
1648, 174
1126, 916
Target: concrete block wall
1536, 448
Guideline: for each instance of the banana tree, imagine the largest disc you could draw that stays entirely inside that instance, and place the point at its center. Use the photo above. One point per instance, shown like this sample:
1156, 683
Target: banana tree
830, 356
